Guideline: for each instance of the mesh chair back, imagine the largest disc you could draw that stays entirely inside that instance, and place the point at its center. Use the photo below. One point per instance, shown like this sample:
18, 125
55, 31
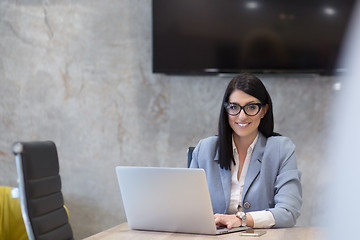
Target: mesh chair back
41, 199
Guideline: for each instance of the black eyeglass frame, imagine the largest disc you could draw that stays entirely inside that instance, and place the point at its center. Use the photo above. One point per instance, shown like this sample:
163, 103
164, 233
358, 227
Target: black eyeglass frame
226, 104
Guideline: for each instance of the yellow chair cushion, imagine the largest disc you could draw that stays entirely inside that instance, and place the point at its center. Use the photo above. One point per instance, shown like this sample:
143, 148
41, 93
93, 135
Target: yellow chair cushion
11, 221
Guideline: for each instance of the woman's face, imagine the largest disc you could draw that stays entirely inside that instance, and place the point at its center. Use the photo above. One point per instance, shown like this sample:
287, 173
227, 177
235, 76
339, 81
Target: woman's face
245, 126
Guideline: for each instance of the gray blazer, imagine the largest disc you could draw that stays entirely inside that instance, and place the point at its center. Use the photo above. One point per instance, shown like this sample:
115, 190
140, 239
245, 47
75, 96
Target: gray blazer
272, 182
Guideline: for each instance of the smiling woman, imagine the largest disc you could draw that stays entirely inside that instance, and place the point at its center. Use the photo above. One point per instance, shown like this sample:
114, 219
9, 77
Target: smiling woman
251, 170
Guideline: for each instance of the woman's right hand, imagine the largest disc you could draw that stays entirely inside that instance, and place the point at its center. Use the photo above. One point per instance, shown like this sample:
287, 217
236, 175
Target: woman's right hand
227, 220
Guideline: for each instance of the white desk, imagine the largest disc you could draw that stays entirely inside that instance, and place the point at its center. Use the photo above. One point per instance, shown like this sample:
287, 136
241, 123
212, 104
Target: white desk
122, 231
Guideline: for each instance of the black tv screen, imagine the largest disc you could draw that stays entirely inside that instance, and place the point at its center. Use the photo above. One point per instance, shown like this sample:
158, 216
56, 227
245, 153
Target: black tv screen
229, 36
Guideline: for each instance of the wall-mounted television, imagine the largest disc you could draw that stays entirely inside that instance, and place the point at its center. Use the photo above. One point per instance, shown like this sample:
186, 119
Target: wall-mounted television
260, 36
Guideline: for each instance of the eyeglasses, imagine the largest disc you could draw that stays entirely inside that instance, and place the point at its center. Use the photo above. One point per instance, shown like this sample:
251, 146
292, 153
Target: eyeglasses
250, 109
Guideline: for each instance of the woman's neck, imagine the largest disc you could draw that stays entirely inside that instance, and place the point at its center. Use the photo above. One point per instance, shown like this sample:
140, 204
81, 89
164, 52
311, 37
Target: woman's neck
243, 143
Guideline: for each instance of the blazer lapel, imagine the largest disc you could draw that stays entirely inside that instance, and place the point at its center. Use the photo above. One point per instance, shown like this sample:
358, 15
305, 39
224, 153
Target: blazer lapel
255, 164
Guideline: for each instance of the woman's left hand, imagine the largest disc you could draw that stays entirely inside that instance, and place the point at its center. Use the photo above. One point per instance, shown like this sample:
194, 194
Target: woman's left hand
229, 221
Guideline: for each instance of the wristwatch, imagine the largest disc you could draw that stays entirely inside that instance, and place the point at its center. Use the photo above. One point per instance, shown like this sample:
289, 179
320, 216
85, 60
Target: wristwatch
242, 217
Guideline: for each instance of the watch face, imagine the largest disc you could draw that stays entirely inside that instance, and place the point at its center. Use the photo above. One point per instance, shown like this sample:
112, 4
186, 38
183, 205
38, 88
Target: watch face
242, 216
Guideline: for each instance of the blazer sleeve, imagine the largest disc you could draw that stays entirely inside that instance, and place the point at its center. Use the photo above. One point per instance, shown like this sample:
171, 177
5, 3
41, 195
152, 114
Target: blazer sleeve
287, 187
205, 156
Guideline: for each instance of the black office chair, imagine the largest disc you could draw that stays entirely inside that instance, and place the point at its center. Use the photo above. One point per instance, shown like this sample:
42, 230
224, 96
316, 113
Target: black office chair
41, 199
190, 151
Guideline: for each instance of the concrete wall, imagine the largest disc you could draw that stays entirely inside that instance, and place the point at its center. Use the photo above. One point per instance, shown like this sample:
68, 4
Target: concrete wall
79, 73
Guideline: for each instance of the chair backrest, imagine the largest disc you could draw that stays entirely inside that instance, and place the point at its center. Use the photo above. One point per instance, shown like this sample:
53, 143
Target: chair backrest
190, 151
41, 199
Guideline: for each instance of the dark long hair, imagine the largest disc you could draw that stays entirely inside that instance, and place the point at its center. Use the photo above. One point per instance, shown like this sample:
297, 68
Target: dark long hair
253, 86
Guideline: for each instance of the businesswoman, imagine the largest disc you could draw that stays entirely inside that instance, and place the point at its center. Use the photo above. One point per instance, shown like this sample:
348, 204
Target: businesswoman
251, 170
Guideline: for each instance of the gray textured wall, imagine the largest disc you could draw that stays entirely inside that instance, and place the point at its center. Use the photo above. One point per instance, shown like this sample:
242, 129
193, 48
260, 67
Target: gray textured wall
79, 73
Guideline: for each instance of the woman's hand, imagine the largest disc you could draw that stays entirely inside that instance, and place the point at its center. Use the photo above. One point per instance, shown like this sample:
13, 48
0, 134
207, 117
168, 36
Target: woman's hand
229, 221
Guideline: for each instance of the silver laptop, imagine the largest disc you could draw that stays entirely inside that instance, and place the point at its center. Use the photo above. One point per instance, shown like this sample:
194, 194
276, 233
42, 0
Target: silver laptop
168, 199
